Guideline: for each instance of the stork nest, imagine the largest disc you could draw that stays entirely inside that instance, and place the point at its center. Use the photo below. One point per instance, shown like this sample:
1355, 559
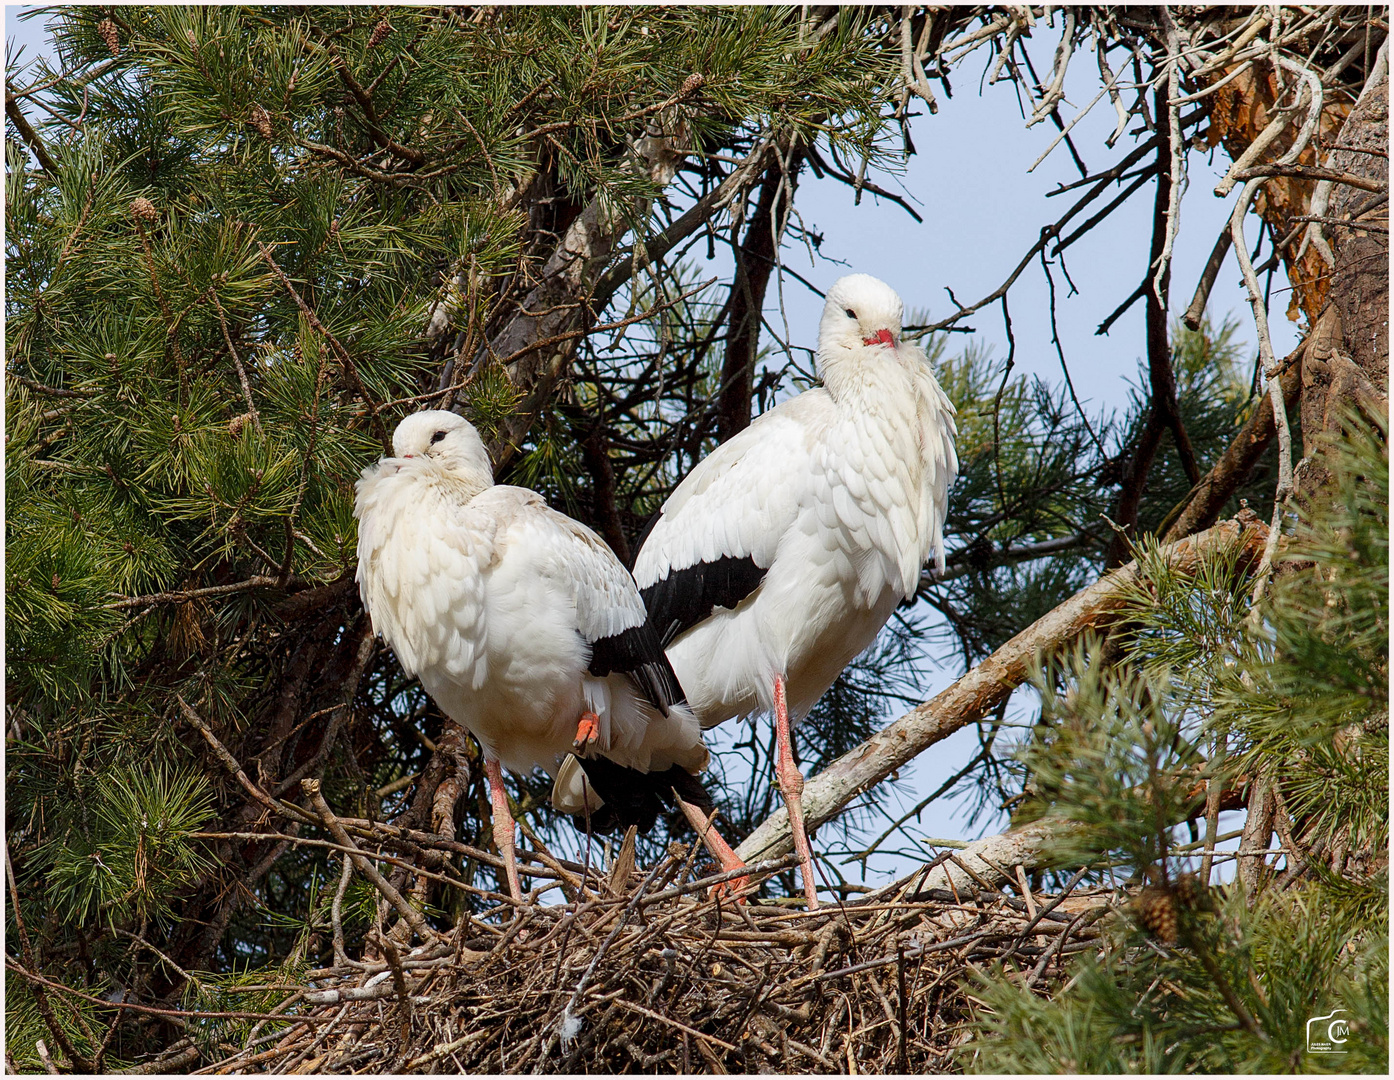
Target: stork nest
639, 972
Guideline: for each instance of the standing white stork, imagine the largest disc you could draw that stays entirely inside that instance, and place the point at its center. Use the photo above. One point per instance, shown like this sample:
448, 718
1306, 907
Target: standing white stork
781, 555
527, 630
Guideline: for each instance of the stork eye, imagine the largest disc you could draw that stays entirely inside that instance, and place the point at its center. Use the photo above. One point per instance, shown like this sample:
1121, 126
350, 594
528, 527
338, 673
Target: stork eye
850, 313
437, 437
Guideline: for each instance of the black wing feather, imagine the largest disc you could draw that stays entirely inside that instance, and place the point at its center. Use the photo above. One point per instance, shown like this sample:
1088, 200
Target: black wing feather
686, 597
638, 653
636, 798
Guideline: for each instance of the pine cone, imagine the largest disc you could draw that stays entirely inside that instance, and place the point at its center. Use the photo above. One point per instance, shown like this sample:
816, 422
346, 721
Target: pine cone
261, 120
142, 209
237, 423
1192, 894
107, 29
379, 34
1155, 910
692, 84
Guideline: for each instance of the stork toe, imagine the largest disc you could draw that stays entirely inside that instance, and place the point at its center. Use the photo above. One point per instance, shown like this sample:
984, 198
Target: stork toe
587, 731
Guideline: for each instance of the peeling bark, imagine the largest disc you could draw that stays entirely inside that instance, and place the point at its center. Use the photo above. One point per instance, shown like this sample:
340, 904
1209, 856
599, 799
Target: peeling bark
1347, 369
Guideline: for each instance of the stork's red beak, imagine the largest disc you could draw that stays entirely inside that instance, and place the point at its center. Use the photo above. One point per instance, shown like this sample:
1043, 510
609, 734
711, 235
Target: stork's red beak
883, 336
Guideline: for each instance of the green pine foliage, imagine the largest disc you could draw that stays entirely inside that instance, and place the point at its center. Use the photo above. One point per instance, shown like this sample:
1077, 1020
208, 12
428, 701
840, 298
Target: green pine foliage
1296, 690
216, 312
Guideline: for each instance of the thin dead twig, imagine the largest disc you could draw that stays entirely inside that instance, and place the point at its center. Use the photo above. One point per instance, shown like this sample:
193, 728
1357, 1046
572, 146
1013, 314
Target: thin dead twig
345, 361
413, 917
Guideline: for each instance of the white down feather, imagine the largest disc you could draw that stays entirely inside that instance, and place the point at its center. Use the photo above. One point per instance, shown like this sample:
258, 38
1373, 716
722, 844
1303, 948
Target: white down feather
489, 597
839, 494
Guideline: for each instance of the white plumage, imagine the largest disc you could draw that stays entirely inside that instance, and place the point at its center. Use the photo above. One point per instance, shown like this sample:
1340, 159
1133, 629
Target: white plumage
502, 607
781, 555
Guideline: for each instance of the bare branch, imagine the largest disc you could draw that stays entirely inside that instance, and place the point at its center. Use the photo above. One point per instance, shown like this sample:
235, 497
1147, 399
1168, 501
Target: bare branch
981, 689
413, 917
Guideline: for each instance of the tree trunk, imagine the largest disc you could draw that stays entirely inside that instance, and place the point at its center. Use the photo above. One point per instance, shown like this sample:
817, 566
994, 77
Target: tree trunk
1347, 367
754, 263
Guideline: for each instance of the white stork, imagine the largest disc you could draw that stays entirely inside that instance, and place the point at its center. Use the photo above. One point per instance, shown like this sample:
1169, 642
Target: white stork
527, 630
781, 555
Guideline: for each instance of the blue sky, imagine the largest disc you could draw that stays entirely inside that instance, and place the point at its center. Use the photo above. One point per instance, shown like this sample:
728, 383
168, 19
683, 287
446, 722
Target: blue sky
982, 210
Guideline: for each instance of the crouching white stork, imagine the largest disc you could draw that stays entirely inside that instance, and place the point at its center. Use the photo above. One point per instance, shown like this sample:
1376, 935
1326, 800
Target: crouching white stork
527, 630
781, 555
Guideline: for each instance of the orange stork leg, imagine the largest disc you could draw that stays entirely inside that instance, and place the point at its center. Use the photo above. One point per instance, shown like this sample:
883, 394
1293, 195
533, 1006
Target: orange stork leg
715, 843
587, 731
503, 824
791, 787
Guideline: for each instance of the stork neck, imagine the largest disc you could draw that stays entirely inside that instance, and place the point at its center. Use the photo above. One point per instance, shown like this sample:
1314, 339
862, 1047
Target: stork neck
854, 380
457, 485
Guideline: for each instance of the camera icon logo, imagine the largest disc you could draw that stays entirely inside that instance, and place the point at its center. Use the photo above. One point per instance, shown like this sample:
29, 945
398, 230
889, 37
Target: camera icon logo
1328, 1034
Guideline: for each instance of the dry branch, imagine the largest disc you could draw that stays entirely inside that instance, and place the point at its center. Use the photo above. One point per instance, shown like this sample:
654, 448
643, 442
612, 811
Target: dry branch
983, 863
413, 918
745, 991
982, 688
1204, 501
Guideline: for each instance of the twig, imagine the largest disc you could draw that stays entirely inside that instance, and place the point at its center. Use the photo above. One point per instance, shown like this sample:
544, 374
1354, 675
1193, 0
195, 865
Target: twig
1055, 92
1196, 311
254, 582
150, 1010
670, 1022
1275, 390
345, 361
336, 915
229, 762
79, 1062
1122, 309
566, 1013
1213, 788
237, 361
1056, 946
1312, 172
413, 917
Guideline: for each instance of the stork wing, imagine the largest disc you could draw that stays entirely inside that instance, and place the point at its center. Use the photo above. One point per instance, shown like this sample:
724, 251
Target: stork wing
938, 432
711, 543
610, 614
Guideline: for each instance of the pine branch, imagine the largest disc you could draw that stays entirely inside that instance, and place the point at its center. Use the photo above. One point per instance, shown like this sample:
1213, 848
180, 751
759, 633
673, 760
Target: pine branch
1204, 501
27, 132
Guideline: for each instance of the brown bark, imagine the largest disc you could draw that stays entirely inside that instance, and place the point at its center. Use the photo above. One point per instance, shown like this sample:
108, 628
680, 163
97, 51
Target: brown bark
983, 687
754, 263
1347, 367
1238, 114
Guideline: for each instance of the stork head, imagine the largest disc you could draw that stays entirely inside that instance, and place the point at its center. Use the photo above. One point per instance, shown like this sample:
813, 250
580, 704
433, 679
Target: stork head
446, 440
862, 315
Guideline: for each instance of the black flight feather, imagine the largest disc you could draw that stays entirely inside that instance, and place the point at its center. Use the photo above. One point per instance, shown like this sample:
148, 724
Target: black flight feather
636, 798
686, 597
638, 653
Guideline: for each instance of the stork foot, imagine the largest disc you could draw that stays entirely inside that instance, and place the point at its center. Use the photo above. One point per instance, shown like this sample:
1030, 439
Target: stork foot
587, 731
718, 848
